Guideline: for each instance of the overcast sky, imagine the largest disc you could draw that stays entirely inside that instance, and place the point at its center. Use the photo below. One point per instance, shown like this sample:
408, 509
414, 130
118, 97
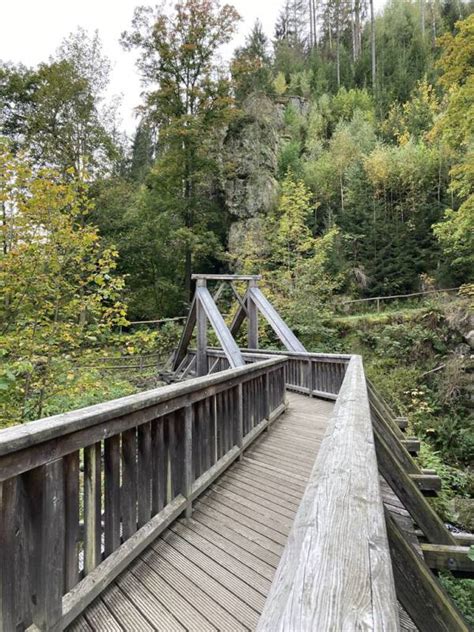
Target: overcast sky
31, 30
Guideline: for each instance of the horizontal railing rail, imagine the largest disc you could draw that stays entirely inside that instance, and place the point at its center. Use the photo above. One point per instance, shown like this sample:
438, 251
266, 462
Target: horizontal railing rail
83, 493
335, 572
315, 374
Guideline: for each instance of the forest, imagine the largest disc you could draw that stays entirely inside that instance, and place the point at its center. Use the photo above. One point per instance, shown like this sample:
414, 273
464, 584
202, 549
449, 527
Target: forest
334, 157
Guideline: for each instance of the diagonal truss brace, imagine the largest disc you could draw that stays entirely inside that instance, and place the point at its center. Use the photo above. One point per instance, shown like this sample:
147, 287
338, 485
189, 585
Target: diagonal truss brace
204, 309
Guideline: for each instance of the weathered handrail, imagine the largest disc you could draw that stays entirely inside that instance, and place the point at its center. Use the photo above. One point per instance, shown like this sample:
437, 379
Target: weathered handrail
83, 493
335, 572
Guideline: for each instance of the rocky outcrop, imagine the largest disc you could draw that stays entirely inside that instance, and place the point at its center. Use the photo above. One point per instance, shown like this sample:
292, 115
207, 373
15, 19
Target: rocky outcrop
249, 158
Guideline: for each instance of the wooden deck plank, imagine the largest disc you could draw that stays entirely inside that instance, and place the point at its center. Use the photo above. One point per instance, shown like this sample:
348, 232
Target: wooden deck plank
244, 504
258, 522
189, 591
228, 530
214, 571
125, 612
232, 549
241, 570
100, 618
265, 485
148, 604
183, 611
232, 602
241, 495
251, 534
80, 625
226, 577
257, 489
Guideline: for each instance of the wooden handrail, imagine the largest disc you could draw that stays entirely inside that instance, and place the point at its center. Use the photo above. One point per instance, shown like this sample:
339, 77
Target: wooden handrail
335, 572
110, 478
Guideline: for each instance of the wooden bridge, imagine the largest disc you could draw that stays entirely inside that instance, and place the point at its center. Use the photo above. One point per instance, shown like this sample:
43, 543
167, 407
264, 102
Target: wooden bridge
259, 491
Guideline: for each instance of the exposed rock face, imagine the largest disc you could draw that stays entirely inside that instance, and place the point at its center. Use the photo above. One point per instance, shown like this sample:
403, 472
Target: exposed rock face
469, 337
249, 160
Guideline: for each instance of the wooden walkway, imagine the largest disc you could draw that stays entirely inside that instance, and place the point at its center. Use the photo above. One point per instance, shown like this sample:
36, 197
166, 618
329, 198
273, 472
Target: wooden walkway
214, 572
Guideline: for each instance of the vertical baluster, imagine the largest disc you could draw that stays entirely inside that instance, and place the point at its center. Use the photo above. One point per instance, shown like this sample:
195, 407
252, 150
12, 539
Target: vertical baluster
92, 507
324, 376
112, 494
309, 377
144, 474
168, 421
231, 431
240, 416
254, 403
225, 422
71, 499
196, 442
206, 434
173, 484
44, 494
129, 483
217, 426
266, 399
214, 445
188, 455
158, 488
12, 614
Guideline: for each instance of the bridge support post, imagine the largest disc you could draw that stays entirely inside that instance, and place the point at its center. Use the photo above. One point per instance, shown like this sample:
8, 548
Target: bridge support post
201, 319
253, 318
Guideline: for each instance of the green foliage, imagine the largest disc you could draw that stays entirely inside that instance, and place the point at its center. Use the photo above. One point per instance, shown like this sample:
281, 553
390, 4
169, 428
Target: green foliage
55, 111
251, 65
455, 128
462, 592
279, 84
190, 102
59, 287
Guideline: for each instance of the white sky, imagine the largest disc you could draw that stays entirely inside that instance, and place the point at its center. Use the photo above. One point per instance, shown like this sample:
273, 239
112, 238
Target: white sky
31, 30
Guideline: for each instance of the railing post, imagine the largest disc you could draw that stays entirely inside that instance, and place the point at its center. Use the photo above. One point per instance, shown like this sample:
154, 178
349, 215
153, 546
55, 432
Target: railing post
188, 459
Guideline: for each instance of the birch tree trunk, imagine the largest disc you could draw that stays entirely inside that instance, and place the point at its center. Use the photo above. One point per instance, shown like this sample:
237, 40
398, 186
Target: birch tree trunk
372, 44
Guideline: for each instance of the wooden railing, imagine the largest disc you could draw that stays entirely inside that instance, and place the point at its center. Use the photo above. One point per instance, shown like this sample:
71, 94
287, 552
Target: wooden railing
83, 493
335, 572
315, 374
394, 297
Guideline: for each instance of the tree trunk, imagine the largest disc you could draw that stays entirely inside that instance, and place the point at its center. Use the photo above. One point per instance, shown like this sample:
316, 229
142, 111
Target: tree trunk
372, 43
338, 56
315, 23
353, 29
